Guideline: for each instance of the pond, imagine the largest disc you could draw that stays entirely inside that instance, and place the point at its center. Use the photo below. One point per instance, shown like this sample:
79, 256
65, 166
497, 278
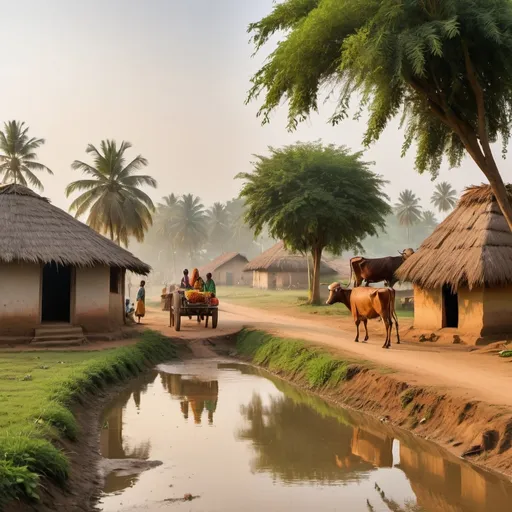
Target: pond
235, 438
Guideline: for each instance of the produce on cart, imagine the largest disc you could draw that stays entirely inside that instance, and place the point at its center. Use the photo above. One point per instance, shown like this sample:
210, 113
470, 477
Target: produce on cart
194, 303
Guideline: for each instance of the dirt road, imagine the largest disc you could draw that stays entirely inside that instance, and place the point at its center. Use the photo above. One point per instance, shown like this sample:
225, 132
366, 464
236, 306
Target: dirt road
472, 375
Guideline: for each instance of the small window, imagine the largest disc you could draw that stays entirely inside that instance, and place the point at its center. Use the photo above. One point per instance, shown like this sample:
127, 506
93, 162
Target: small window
115, 280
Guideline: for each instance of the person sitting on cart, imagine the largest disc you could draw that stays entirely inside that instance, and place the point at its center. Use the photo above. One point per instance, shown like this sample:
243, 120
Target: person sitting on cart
196, 281
185, 281
209, 285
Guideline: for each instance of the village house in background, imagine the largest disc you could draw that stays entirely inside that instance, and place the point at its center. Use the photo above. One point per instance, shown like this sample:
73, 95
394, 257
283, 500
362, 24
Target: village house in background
279, 269
228, 270
60, 279
462, 273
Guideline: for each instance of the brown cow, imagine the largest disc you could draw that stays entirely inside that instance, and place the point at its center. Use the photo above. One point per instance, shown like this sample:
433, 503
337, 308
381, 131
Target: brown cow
377, 270
366, 304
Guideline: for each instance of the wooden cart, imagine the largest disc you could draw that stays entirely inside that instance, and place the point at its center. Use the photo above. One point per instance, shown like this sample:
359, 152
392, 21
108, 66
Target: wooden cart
181, 307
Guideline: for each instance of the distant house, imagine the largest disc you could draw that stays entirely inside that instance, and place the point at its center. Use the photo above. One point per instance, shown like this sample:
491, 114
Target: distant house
227, 270
462, 273
57, 274
279, 269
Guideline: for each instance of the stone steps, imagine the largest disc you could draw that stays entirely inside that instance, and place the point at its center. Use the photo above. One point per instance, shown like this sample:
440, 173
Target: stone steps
58, 335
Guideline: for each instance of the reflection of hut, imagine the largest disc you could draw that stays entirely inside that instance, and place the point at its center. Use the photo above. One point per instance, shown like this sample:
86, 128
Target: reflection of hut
61, 274
280, 269
227, 269
376, 449
462, 273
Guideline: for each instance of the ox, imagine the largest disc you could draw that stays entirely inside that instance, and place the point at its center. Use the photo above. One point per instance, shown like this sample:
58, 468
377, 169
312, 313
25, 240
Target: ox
366, 304
377, 270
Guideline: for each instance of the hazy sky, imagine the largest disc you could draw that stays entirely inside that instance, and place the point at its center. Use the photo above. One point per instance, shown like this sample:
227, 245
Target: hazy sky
171, 77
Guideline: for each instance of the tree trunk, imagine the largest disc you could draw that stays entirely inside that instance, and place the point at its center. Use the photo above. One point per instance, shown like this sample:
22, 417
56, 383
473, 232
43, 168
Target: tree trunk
500, 192
310, 281
317, 260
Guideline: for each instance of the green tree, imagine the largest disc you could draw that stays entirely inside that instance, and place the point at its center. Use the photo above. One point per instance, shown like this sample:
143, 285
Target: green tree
314, 197
219, 231
111, 193
442, 65
190, 225
408, 210
444, 197
166, 213
18, 158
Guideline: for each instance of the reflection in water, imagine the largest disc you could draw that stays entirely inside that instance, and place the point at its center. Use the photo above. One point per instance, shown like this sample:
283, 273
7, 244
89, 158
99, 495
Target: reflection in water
285, 441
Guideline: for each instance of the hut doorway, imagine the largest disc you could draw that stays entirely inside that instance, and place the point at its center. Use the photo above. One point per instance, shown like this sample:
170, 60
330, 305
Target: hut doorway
56, 295
450, 308
229, 278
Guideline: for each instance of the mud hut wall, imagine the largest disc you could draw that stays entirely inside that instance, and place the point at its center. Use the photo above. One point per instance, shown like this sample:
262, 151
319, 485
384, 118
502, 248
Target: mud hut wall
428, 308
235, 267
116, 304
20, 300
471, 310
286, 280
260, 280
497, 311
92, 301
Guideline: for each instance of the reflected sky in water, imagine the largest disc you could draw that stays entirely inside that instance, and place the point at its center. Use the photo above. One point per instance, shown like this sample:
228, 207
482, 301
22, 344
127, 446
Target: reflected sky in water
241, 439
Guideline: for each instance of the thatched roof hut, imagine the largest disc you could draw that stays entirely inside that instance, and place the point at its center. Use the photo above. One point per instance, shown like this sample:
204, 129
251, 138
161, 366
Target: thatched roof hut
287, 269
57, 270
462, 272
33, 230
227, 269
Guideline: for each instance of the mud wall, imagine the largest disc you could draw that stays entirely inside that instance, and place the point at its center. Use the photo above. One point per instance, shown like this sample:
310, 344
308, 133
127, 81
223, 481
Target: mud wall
92, 300
428, 309
20, 299
497, 311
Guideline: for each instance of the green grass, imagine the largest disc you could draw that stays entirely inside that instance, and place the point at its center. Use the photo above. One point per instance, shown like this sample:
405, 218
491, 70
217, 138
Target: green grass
296, 359
294, 300
36, 392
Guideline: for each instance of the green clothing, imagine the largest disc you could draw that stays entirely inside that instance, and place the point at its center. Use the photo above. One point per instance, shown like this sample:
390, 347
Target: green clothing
209, 286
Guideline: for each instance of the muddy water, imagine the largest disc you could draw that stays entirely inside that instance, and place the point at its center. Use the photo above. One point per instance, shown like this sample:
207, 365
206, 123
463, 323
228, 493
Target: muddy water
241, 440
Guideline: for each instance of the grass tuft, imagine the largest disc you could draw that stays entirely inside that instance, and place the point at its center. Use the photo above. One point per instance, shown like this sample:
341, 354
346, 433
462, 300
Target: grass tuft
35, 411
408, 396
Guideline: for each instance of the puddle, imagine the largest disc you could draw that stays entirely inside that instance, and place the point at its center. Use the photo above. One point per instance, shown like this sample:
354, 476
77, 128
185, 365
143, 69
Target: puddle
235, 438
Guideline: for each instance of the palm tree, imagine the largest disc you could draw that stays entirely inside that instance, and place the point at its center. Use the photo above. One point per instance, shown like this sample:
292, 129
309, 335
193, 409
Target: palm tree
408, 210
218, 226
429, 220
117, 206
444, 197
166, 214
18, 158
190, 224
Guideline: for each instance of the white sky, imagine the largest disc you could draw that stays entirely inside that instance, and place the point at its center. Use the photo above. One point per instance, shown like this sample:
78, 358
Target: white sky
170, 76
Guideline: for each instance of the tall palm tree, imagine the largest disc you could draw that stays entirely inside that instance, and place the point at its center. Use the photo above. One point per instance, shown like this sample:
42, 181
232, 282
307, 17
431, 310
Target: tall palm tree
408, 210
444, 197
429, 220
166, 214
18, 158
190, 224
111, 194
218, 226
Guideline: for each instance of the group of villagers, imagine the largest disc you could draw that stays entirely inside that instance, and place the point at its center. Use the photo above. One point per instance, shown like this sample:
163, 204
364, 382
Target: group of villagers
196, 282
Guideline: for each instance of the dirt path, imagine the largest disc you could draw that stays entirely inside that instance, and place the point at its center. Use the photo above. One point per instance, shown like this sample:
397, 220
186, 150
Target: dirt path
472, 375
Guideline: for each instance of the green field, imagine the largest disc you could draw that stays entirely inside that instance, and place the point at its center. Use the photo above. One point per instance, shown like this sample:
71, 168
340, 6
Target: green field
294, 300
36, 392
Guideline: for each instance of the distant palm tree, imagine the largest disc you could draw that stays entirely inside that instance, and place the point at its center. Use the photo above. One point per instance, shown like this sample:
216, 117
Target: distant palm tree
117, 206
190, 225
18, 158
408, 210
429, 219
165, 221
444, 197
218, 226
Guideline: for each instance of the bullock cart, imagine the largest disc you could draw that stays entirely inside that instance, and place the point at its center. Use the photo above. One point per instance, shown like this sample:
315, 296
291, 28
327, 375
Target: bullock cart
181, 307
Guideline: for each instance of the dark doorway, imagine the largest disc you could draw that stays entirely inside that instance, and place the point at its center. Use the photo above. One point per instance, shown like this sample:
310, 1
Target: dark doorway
450, 307
229, 278
56, 299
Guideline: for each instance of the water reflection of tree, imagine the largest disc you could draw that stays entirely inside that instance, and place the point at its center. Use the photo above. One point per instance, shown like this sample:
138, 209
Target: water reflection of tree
295, 443
392, 505
198, 395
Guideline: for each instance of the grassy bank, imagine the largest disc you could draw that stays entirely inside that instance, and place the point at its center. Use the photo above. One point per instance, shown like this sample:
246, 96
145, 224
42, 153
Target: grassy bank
37, 390
296, 359
293, 300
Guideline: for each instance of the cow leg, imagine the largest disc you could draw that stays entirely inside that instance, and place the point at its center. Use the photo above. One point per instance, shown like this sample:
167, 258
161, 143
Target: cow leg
397, 328
388, 332
357, 330
365, 321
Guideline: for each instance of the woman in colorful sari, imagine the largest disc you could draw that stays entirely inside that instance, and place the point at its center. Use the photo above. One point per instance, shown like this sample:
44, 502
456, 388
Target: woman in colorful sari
196, 281
140, 309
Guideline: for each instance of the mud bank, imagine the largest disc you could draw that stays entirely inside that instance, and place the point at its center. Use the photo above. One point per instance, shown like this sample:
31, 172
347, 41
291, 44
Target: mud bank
477, 431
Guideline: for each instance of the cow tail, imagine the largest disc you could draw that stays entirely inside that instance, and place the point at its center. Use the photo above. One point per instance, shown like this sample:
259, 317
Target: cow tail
351, 272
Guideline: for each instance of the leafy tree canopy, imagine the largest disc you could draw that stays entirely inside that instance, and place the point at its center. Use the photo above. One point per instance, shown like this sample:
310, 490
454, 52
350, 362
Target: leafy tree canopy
442, 65
314, 197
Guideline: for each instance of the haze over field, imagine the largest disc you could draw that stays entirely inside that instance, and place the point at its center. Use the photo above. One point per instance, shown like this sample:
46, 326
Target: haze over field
170, 77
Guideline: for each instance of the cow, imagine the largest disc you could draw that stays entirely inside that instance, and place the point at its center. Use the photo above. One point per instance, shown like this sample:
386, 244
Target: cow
377, 270
366, 304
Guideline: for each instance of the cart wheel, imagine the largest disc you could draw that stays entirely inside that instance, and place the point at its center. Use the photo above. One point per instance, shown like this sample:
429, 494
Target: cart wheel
177, 311
215, 318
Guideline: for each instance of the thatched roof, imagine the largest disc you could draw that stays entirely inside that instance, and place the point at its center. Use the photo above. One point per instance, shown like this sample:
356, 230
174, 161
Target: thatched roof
33, 230
278, 259
472, 247
219, 261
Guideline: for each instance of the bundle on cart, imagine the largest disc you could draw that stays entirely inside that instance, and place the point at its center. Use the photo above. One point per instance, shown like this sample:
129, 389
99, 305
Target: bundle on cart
195, 297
